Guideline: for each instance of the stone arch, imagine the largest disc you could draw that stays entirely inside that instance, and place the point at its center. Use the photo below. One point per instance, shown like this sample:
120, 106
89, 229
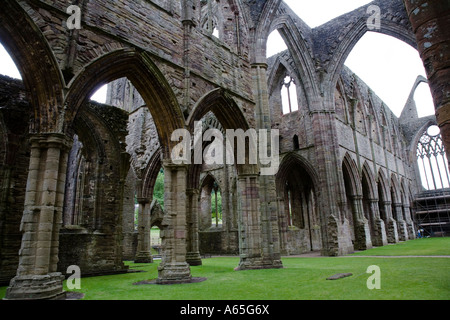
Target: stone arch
418, 134
100, 195
227, 112
397, 209
261, 29
354, 224
299, 206
37, 64
395, 190
282, 67
224, 108
350, 168
300, 54
145, 76
150, 174
208, 184
394, 22
370, 200
384, 196
383, 186
367, 174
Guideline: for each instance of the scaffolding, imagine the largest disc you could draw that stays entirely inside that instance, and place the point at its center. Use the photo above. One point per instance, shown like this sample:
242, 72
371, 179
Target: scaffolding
432, 212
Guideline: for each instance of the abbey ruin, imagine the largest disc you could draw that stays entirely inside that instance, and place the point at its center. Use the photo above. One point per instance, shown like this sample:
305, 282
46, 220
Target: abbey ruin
73, 171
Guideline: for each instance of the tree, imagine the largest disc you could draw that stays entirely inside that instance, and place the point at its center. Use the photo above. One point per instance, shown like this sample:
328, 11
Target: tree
158, 190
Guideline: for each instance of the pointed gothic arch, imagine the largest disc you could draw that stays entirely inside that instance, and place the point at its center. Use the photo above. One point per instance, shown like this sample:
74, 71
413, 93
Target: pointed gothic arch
37, 65
139, 68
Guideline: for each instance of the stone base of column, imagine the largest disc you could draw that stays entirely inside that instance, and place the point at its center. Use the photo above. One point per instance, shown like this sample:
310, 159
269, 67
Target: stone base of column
391, 231
402, 230
362, 233
194, 259
143, 257
36, 287
258, 264
379, 238
411, 230
174, 273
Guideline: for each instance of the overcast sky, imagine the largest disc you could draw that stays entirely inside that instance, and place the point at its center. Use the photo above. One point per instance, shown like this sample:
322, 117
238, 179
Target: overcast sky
389, 66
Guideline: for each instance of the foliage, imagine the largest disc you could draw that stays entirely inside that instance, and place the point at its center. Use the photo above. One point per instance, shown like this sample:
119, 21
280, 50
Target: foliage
213, 204
158, 190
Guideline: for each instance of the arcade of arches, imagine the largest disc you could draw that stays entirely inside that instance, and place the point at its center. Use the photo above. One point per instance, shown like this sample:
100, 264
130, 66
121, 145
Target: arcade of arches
78, 177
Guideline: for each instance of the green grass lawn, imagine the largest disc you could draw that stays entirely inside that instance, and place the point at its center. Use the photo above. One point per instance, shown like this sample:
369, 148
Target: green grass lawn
420, 247
405, 278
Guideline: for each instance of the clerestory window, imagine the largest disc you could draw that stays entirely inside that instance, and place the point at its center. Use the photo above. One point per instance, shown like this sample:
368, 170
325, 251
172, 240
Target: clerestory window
432, 160
289, 95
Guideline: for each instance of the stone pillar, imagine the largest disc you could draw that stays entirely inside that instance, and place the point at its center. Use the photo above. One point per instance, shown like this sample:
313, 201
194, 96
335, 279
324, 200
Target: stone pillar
42, 218
193, 252
430, 24
250, 233
379, 239
205, 221
266, 188
143, 252
173, 267
409, 222
401, 224
362, 233
283, 224
390, 223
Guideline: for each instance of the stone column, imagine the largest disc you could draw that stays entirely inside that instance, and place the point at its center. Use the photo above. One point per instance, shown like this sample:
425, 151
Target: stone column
429, 20
362, 233
252, 254
390, 223
42, 218
143, 252
266, 184
409, 222
174, 267
401, 224
193, 252
283, 224
379, 238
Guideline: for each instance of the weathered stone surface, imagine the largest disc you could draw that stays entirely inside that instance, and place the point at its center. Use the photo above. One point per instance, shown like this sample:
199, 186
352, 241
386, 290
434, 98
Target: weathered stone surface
338, 276
71, 171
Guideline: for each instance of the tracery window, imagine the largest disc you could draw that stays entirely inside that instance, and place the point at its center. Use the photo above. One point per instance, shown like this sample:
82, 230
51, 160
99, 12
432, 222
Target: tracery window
210, 16
289, 95
432, 160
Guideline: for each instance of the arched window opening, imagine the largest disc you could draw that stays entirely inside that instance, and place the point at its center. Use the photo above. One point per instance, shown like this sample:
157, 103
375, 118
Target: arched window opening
296, 142
374, 58
75, 186
210, 204
119, 93
275, 44
100, 95
7, 65
289, 95
432, 160
215, 32
158, 189
210, 17
424, 100
216, 205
